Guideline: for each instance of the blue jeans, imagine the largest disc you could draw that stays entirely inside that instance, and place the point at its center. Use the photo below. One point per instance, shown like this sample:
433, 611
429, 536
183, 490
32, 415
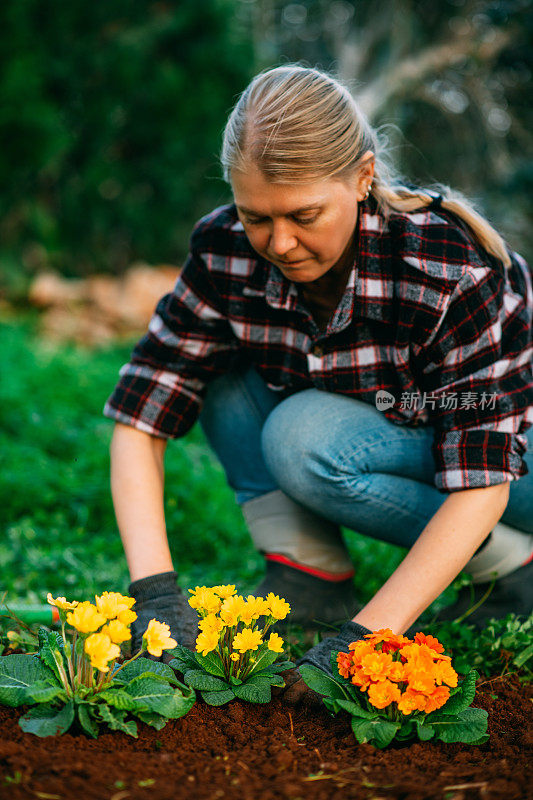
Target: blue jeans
339, 457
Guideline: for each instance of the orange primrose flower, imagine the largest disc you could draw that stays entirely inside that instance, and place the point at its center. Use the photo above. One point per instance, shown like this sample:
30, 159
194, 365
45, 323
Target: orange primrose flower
420, 680
360, 679
443, 672
437, 698
431, 641
382, 694
344, 663
412, 701
390, 641
376, 665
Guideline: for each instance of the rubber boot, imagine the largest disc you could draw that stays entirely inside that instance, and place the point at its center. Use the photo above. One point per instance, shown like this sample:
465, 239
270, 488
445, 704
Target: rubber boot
502, 579
512, 594
315, 603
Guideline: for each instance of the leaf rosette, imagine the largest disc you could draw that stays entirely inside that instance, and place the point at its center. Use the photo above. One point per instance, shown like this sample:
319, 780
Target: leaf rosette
74, 677
235, 655
398, 689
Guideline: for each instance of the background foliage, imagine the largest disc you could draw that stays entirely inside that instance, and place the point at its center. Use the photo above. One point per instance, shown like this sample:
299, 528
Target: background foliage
111, 113
109, 129
58, 527
111, 116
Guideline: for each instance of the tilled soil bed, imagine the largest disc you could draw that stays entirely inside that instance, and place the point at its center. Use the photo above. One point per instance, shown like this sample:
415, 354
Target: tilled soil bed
266, 752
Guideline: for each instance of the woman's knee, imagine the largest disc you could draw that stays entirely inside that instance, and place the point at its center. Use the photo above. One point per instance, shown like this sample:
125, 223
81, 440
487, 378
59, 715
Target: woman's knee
303, 440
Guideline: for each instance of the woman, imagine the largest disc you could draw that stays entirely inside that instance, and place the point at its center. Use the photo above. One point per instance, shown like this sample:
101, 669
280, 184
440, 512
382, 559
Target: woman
360, 353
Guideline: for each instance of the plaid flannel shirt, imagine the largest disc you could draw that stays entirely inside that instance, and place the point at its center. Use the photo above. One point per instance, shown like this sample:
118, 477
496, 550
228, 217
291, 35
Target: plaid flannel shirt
430, 328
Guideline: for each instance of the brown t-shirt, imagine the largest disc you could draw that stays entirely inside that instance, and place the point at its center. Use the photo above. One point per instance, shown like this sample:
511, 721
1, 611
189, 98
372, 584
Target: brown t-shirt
322, 306
322, 297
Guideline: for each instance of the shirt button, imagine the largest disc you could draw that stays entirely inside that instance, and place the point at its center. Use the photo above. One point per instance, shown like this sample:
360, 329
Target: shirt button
318, 351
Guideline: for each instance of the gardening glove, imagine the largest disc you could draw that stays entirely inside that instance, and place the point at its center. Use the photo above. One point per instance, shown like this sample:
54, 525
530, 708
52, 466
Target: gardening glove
159, 597
319, 656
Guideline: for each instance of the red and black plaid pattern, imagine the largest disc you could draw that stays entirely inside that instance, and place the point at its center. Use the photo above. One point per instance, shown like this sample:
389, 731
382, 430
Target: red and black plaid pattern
427, 316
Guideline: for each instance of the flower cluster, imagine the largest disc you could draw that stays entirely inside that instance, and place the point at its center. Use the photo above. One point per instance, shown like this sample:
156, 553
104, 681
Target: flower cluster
414, 673
99, 630
229, 626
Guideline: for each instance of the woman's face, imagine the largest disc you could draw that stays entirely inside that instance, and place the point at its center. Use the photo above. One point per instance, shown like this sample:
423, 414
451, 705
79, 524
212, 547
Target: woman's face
304, 229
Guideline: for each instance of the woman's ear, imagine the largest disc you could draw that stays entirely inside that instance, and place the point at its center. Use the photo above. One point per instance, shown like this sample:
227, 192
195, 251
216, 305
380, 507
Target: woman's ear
364, 175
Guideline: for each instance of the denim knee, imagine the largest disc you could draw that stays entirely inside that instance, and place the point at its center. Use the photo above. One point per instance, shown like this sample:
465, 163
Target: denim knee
300, 446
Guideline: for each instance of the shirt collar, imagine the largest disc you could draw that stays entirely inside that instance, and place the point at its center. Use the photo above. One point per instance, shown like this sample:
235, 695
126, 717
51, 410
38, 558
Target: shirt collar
369, 290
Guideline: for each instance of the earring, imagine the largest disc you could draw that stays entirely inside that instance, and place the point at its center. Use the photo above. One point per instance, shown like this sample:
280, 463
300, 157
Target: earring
367, 190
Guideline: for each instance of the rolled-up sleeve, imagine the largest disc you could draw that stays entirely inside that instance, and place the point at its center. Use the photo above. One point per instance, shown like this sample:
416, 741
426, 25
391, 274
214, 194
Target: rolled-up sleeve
475, 370
189, 342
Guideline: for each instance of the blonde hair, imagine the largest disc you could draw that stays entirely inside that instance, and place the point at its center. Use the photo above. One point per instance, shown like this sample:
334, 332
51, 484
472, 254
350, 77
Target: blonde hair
299, 124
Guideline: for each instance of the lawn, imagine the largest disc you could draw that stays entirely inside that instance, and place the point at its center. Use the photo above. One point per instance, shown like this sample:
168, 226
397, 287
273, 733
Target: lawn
59, 532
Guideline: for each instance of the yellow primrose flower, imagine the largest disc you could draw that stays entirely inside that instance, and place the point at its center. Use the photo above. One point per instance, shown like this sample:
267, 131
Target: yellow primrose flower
211, 623
157, 637
117, 631
254, 608
279, 608
101, 650
262, 606
275, 643
85, 618
234, 656
225, 591
248, 611
232, 607
127, 616
206, 641
111, 604
61, 602
246, 640
204, 599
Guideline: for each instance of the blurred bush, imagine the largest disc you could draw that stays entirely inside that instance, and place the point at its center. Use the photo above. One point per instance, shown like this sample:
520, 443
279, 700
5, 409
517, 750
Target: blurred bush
111, 113
110, 122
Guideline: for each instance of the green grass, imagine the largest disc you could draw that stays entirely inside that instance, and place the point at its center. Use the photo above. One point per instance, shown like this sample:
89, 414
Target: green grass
58, 530
57, 526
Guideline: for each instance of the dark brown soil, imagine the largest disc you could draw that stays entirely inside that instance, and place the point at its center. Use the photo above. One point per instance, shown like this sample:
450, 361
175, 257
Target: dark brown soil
266, 752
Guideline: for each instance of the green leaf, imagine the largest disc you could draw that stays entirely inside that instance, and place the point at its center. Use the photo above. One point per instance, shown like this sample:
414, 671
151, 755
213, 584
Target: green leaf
44, 691
407, 730
425, 732
211, 663
356, 710
119, 698
218, 698
47, 719
145, 666
321, 682
462, 698
481, 740
333, 662
524, 656
202, 680
266, 658
254, 690
378, 732
51, 639
116, 720
87, 721
282, 666
48, 642
468, 726
18, 674
331, 705
274, 680
157, 721
183, 659
161, 698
